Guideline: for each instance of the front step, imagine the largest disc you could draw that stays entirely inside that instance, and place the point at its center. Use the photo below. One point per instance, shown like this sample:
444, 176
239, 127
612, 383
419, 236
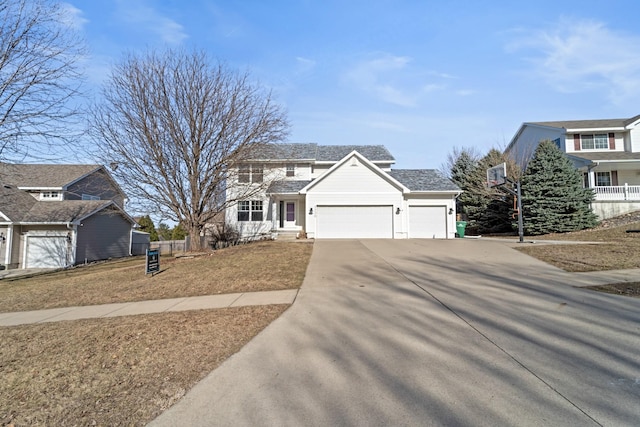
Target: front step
288, 235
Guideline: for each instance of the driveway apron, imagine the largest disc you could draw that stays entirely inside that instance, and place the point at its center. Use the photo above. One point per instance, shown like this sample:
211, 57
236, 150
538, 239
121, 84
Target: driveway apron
430, 332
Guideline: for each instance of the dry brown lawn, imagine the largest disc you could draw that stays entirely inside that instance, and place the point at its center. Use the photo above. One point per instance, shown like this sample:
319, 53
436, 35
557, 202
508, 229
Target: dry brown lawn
127, 370
613, 249
118, 371
255, 267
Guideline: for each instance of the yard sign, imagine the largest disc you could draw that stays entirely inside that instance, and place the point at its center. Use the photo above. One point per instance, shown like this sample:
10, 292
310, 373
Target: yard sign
152, 261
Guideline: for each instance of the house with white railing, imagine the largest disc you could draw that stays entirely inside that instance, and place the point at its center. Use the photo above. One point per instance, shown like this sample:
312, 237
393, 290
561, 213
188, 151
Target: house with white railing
606, 151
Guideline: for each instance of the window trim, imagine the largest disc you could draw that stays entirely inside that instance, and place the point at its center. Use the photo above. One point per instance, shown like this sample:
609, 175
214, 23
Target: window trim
250, 211
249, 173
595, 138
603, 174
290, 169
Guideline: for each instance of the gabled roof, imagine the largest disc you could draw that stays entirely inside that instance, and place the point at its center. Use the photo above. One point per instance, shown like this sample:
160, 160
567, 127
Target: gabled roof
44, 176
14, 203
589, 124
18, 206
320, 153
368, 163
424, 180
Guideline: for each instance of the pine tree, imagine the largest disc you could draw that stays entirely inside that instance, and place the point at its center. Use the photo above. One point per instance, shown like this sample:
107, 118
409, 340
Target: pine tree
146, 225
553, 198
487, 209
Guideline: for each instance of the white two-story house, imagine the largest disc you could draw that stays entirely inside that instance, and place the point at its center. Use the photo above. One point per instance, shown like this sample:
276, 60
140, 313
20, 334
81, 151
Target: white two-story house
340, 191
606, 151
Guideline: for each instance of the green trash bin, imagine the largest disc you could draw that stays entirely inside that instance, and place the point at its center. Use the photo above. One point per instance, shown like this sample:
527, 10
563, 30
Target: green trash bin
460, 227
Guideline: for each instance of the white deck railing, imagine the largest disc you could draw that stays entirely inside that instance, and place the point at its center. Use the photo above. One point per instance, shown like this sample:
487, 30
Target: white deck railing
617, 192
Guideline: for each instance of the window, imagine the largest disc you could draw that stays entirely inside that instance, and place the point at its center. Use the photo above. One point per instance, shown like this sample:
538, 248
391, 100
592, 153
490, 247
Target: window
603, 179
244, 173
291, 170
256, 174
256, 210
250, 173
595, 141
250, 210
50, 195
243, 211
89, 197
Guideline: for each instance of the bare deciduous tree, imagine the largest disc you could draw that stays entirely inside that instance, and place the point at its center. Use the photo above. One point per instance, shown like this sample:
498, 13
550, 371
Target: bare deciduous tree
39, 77
174, 126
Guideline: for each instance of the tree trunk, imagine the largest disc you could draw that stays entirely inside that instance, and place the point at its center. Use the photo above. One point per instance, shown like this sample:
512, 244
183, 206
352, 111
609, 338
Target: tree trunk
195, 242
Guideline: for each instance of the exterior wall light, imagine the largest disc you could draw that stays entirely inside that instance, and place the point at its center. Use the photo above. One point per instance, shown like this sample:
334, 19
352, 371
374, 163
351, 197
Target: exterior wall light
450, 211
397, 211
310, 211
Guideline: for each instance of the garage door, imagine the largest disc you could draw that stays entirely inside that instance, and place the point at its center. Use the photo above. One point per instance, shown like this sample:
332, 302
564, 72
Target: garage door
46, 251
428, 222
354, 222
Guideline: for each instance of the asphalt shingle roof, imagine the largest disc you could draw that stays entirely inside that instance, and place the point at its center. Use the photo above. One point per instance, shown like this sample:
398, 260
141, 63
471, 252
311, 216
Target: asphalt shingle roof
321, 153
285, 152
63, 211
609, 155
15, 203
423, 180
334, 153
43, 176
286, 187
589, 124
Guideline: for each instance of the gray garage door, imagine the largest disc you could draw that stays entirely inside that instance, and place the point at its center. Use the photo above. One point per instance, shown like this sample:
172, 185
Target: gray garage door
428, 222
354, 222
46, 251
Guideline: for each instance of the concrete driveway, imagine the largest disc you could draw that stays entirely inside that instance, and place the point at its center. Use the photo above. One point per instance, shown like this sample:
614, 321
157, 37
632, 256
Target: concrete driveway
431, 332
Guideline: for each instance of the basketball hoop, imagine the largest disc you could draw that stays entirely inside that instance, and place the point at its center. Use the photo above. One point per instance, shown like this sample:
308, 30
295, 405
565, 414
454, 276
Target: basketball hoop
497, 175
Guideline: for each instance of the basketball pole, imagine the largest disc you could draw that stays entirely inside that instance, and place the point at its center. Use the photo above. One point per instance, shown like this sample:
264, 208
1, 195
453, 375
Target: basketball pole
518, 194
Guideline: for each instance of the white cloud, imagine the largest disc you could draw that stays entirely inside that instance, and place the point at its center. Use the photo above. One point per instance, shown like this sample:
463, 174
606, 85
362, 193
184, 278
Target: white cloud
304, 65
585, 56
72, 16
153, 21
382, 77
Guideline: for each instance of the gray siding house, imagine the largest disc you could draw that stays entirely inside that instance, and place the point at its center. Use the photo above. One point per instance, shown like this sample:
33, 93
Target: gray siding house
54, 216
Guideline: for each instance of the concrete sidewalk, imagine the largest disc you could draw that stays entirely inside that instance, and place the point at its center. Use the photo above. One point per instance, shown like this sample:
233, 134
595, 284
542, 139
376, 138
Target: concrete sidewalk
286, 296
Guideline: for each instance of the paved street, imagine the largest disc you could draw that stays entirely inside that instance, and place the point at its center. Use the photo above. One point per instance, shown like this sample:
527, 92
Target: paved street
432, 332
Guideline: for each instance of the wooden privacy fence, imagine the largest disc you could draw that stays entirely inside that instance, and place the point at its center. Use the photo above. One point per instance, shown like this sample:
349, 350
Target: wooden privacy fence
169, 247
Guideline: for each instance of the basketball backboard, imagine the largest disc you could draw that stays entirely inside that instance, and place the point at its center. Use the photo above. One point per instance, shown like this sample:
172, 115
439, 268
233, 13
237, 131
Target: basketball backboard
497, 175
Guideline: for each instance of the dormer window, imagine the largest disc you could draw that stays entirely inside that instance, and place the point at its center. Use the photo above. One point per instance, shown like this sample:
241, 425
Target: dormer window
50, 195
291, 170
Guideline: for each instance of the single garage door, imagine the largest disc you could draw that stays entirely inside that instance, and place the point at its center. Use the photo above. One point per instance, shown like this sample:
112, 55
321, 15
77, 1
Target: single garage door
46, 252
354, 222
428, 222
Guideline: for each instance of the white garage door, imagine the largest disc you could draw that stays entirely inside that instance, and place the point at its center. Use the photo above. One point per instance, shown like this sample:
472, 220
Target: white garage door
428, 222
46, 252
354, 222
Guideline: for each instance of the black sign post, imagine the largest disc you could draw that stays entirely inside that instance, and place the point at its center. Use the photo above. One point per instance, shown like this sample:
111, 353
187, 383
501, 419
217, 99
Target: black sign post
152, 261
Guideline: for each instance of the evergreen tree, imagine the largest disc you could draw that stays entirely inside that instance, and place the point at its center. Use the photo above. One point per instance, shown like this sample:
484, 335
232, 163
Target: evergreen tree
487, 209
553, 197
178, 233
146, 225
164, 232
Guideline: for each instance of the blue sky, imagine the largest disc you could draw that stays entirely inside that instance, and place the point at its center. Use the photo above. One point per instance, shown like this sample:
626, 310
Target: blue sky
419, 77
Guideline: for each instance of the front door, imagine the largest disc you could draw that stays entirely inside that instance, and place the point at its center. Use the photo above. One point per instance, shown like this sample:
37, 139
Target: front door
289, 214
